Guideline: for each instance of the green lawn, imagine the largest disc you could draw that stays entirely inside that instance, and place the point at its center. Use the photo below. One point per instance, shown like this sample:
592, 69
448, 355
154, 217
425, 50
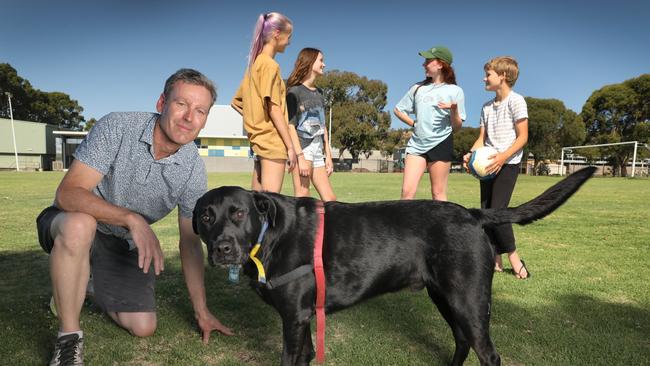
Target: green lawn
587, 303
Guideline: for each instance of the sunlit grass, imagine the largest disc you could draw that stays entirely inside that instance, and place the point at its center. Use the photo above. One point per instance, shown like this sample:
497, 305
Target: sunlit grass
587, 302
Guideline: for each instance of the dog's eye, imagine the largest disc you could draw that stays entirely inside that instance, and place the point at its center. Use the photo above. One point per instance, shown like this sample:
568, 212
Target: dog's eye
240, 215
205, 218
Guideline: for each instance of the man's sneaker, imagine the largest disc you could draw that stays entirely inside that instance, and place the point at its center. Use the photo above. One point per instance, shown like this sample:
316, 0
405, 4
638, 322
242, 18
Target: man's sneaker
68, 351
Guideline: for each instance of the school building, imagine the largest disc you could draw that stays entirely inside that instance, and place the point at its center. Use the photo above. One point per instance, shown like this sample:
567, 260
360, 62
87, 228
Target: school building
222, 144
35, 145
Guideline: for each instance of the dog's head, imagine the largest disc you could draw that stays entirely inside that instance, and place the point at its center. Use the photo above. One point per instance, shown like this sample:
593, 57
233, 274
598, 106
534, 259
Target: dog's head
229, 221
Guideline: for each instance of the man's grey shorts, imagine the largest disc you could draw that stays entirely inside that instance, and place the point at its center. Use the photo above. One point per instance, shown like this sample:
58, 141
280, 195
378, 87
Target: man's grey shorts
119, 284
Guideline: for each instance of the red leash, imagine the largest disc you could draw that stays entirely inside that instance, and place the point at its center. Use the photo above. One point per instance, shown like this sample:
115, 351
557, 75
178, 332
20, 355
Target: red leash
320, 284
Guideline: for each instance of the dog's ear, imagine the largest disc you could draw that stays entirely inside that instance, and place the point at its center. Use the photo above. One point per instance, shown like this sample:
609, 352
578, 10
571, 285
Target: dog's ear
265, 206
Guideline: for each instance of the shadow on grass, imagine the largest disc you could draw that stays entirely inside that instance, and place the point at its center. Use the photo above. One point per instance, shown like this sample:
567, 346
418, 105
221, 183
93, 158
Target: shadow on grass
257, 326
25, 289
31, 328
574, 330
403, 323
392, 329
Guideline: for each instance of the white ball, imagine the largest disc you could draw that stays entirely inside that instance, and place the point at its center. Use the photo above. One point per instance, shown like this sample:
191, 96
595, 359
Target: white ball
480, 160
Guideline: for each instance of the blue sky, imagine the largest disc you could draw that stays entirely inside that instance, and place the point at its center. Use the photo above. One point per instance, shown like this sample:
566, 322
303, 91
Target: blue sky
115, 55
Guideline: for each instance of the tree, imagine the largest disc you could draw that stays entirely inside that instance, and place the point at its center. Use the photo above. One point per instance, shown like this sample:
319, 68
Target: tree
393, 140
642, 134
573, 131
359, 120
613, 113
550, 126
464, 140
89, 124
34, 105
641, 86
21, 91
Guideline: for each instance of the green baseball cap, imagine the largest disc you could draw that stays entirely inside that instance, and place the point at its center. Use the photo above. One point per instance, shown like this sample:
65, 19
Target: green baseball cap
439, 52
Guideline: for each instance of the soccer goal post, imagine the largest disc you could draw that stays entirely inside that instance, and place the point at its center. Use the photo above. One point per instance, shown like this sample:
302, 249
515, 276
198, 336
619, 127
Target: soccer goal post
569, 148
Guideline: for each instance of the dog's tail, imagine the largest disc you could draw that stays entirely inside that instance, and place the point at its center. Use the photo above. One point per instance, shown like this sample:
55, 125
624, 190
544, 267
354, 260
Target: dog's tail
540, 206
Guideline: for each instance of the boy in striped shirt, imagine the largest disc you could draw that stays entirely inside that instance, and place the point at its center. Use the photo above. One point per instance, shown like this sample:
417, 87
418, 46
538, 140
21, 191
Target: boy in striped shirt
503, 126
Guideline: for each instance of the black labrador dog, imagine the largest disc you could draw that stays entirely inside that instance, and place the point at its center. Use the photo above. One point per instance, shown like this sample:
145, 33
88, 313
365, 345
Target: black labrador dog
369, 249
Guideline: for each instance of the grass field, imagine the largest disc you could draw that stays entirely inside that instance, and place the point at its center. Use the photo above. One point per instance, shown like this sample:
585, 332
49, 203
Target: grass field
587, 303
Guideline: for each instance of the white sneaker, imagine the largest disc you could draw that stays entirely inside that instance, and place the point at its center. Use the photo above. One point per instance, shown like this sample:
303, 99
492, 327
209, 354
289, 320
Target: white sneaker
68, 351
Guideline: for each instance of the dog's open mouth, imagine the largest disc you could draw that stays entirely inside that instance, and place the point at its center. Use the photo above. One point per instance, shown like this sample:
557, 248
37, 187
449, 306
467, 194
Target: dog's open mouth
223, 260
220, 259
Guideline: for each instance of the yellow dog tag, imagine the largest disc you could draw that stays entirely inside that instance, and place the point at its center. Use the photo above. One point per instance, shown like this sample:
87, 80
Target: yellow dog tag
261, 274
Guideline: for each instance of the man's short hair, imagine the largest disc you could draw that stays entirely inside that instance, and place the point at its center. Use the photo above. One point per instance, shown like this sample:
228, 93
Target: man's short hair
504, 64
190, 76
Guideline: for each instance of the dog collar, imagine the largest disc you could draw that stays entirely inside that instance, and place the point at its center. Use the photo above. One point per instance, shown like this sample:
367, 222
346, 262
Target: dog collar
261, 274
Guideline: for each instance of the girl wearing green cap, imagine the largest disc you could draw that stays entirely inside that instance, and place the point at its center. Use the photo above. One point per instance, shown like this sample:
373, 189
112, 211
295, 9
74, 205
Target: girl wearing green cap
438, 105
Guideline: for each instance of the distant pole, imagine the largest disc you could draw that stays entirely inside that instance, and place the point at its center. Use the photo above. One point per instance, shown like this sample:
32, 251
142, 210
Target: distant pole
634, 158
13, 131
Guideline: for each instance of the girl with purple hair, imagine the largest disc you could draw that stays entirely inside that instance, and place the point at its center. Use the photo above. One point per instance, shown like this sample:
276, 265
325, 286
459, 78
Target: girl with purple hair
261, 100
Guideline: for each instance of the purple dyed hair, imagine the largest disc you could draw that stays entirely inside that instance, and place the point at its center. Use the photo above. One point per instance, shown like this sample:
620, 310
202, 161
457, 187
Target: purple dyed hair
266, 24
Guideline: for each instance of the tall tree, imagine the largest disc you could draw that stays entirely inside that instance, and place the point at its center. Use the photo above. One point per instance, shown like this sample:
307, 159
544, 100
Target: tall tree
641, 87
63, 111
642, 134
359, 120
550, 126
89, 124
464, 140
393, 140
21, 93
613, 112
34, 105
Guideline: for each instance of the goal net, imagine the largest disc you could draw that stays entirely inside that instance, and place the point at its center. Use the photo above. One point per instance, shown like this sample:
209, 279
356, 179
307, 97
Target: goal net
600, 155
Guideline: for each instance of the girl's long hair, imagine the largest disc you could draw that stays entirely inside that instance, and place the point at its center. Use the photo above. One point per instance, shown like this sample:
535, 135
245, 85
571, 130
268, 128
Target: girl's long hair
448, 75
302, 68
266, 24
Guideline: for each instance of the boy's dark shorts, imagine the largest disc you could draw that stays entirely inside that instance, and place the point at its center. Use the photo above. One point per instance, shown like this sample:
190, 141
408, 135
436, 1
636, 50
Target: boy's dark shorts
119, 284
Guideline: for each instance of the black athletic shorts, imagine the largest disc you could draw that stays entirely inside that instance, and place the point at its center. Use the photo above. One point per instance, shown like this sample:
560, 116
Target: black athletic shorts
119, 284
444, 151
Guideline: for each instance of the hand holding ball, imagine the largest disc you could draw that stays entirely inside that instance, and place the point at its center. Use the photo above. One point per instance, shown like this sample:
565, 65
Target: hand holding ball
479, 160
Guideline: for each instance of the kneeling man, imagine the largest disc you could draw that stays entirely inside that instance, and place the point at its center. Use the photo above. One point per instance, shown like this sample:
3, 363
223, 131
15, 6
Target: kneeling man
130, 171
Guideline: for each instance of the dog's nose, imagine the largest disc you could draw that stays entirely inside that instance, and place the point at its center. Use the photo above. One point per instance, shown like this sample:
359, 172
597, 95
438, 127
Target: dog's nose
224, 248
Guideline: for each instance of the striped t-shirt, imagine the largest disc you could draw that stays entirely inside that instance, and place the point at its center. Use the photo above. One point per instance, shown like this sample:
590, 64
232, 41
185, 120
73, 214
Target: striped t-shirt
499, 118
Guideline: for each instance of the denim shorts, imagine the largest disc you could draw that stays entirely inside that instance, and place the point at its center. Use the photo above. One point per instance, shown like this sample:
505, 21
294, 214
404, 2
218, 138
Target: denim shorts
314, 153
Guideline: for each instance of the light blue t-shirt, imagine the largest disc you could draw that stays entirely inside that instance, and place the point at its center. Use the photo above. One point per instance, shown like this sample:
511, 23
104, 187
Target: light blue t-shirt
433, 123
